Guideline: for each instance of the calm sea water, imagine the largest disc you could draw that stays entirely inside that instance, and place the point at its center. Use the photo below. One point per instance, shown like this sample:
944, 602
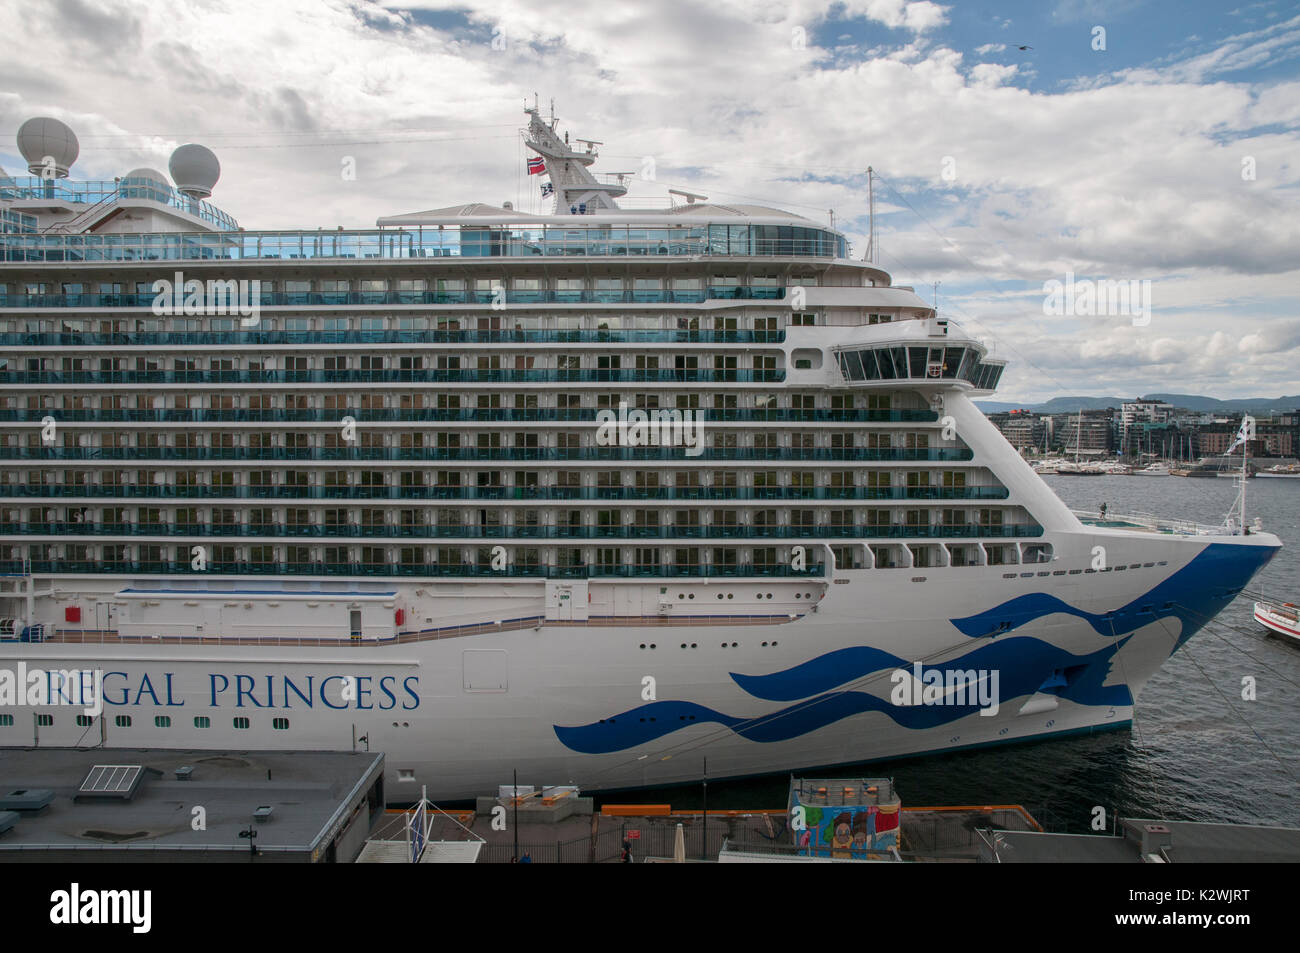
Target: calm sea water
1196, 750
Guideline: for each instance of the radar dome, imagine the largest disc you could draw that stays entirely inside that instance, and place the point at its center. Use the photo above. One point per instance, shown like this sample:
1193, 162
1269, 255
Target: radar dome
145, 174
49, 147
195, 170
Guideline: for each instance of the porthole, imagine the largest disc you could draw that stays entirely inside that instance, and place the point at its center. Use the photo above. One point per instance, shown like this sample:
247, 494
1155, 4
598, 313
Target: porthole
734, 644
764, 645
731, 595
162, 721
122, 721
44, 721
719, 595
774, 643
280, 724
241, 723
202, 721
691, 596
695, 645
84, 721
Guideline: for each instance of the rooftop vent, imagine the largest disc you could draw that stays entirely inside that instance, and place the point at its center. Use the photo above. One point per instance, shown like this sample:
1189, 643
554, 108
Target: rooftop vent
26, 799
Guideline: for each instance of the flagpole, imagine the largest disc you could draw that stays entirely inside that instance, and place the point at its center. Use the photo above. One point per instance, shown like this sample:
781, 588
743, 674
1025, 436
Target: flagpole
1245, 454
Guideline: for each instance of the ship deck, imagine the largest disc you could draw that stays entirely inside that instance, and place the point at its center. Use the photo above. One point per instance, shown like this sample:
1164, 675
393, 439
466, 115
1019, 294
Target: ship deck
112, 636
1147, 523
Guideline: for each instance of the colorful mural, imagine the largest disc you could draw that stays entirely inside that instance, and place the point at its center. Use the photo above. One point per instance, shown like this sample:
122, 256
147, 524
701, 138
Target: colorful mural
849, 831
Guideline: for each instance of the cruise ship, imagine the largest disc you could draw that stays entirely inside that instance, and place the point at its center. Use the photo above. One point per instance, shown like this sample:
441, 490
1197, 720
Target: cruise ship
607, 496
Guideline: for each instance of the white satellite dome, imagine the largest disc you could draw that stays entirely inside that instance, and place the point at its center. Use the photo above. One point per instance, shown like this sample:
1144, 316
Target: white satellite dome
195, 170
145, 174
48, 144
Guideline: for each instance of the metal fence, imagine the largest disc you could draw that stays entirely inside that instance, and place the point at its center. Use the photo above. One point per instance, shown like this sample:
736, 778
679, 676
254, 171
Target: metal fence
648, 838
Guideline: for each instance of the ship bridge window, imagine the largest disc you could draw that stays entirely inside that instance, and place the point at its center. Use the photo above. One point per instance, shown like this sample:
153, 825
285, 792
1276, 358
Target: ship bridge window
807, 358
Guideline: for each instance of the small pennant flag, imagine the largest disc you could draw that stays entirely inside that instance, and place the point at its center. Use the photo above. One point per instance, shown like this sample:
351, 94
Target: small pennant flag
1247, 432
536, 166
547, 189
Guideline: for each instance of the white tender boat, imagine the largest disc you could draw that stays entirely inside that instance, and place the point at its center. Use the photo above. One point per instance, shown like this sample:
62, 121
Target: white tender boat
1281, 618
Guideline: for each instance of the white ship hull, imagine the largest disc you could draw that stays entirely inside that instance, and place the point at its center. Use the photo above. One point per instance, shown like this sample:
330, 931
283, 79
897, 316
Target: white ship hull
564, 702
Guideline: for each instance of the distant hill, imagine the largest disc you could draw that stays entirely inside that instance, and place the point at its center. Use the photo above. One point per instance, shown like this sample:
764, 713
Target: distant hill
1072, 405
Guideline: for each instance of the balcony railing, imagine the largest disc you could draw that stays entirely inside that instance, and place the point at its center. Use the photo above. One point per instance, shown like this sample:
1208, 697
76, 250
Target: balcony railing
454, 493
468, 336
394, 376
436, 454
47, 567
89, 193
580, 239
433, 415
374, 531
92, 300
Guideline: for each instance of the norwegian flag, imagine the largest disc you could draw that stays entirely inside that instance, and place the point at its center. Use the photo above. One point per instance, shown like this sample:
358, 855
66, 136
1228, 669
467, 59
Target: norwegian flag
536, 166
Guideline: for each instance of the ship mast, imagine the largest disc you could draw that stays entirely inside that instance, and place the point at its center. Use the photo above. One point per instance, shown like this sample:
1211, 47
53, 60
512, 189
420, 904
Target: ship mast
1245, 456
576, 189
871, 215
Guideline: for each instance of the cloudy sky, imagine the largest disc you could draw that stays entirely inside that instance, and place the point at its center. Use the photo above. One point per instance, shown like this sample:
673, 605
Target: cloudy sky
1016, 142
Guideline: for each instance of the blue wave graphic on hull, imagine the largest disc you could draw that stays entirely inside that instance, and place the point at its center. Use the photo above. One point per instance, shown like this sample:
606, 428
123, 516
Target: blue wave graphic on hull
1025, 664
1189, 595
1020, 662
1196, 591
